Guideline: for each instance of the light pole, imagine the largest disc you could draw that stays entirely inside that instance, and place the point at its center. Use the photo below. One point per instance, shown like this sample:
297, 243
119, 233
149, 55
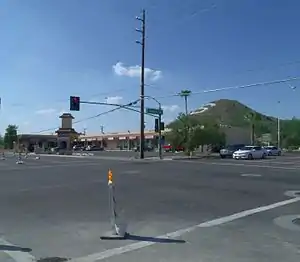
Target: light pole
159, 124
278, 129
142, 43
278, 121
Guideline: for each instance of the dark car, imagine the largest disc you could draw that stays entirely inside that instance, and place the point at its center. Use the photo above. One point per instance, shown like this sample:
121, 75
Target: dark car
229, 150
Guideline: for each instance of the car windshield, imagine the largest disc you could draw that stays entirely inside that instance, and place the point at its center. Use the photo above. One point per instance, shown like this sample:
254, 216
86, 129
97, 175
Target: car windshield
247, 148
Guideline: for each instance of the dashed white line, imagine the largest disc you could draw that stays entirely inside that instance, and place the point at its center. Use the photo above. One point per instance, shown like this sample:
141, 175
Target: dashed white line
251, 175
216, 222
18, 256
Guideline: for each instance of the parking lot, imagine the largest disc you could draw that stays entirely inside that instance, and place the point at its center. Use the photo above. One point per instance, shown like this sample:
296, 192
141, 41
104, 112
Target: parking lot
185, 210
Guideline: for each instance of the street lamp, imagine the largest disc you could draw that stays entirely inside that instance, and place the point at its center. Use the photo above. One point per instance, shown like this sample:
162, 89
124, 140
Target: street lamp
278, 121
159, 124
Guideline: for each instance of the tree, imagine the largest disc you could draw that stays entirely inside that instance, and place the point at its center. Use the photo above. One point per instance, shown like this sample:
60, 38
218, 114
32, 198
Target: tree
185, 94
1, 142
11, 135
188, 132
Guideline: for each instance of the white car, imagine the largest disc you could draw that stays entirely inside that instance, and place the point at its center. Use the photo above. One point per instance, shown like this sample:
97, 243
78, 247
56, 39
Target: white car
250, 152
273, 151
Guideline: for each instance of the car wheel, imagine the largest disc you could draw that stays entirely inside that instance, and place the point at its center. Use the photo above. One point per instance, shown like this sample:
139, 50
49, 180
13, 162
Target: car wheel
264, 155
222, 156
250, 157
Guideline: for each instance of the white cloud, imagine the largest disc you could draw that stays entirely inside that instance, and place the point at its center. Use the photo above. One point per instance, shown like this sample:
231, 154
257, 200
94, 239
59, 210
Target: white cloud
171, 108
47, 111
135, 71
113, 99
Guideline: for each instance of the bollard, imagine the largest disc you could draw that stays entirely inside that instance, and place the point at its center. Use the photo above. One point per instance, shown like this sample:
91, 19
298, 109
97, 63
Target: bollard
3, 156
117, 231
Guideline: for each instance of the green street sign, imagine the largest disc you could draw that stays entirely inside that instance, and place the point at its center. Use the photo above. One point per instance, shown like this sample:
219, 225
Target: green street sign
154, 111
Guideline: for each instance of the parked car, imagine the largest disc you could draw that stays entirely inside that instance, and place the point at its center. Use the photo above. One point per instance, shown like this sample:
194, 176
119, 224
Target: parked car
229, 150
273, 151
169, 148
250, 152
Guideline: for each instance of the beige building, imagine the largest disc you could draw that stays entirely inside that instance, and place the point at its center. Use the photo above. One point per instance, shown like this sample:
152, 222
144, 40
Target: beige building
119, 140
124, 140
29, 141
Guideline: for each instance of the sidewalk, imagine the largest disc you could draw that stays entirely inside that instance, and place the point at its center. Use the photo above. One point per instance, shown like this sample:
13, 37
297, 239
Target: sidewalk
198, 156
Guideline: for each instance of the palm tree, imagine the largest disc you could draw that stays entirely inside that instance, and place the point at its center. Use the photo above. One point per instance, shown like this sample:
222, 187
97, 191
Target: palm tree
185, 93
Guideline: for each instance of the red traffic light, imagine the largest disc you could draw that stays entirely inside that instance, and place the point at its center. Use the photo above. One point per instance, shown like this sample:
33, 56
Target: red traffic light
74, 103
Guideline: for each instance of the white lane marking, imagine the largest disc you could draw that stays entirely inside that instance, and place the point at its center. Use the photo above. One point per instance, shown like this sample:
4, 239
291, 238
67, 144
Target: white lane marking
216, 222
251, 175
241, 164
18, 256
75, 164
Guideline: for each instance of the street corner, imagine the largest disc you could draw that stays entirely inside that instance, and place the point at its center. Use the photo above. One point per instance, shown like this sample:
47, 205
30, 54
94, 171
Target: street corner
14, 253
5, 257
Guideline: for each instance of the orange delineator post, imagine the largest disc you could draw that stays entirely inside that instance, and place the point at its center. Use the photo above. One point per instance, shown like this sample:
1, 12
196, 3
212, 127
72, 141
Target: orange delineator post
116, 232
110, 177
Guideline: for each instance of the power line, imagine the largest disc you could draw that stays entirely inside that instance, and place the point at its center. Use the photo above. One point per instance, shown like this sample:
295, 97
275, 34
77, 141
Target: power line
176, 95
93, 117
237, 87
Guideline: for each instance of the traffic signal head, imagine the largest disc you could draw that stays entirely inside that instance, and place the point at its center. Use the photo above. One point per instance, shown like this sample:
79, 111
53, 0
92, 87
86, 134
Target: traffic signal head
74, 103
156, 127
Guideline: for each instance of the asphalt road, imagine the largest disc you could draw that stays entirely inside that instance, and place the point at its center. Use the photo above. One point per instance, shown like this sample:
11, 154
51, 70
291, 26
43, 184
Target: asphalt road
205, 210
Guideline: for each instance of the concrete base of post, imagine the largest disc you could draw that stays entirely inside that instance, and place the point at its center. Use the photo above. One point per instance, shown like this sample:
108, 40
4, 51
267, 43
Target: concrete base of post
117, 233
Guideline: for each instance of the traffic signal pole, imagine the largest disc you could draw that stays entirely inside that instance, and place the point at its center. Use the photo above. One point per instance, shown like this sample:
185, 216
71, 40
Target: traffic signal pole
159, 133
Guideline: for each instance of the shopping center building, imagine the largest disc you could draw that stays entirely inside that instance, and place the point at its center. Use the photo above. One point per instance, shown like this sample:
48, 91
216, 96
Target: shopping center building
122, 140
66, 137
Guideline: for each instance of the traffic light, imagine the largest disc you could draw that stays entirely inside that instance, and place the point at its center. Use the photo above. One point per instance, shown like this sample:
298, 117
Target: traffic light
74, 103
156, 125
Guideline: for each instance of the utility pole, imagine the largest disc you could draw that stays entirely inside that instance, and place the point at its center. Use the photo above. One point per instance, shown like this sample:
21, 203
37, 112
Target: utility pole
142, 92
102, 129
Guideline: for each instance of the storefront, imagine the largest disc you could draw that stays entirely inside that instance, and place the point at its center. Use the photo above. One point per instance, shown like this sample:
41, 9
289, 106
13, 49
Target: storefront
120, 141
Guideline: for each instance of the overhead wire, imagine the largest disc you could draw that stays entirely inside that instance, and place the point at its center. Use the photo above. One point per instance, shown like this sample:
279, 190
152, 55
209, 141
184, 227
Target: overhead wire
287, 80
91, 117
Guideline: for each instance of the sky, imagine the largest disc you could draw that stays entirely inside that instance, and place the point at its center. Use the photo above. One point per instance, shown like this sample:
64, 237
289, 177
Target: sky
53, 49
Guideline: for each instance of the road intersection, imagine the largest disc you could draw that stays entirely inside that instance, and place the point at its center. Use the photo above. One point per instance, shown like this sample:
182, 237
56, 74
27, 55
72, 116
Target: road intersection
192, 210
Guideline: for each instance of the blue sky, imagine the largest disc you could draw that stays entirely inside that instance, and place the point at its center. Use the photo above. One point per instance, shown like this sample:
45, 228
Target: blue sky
52, 49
